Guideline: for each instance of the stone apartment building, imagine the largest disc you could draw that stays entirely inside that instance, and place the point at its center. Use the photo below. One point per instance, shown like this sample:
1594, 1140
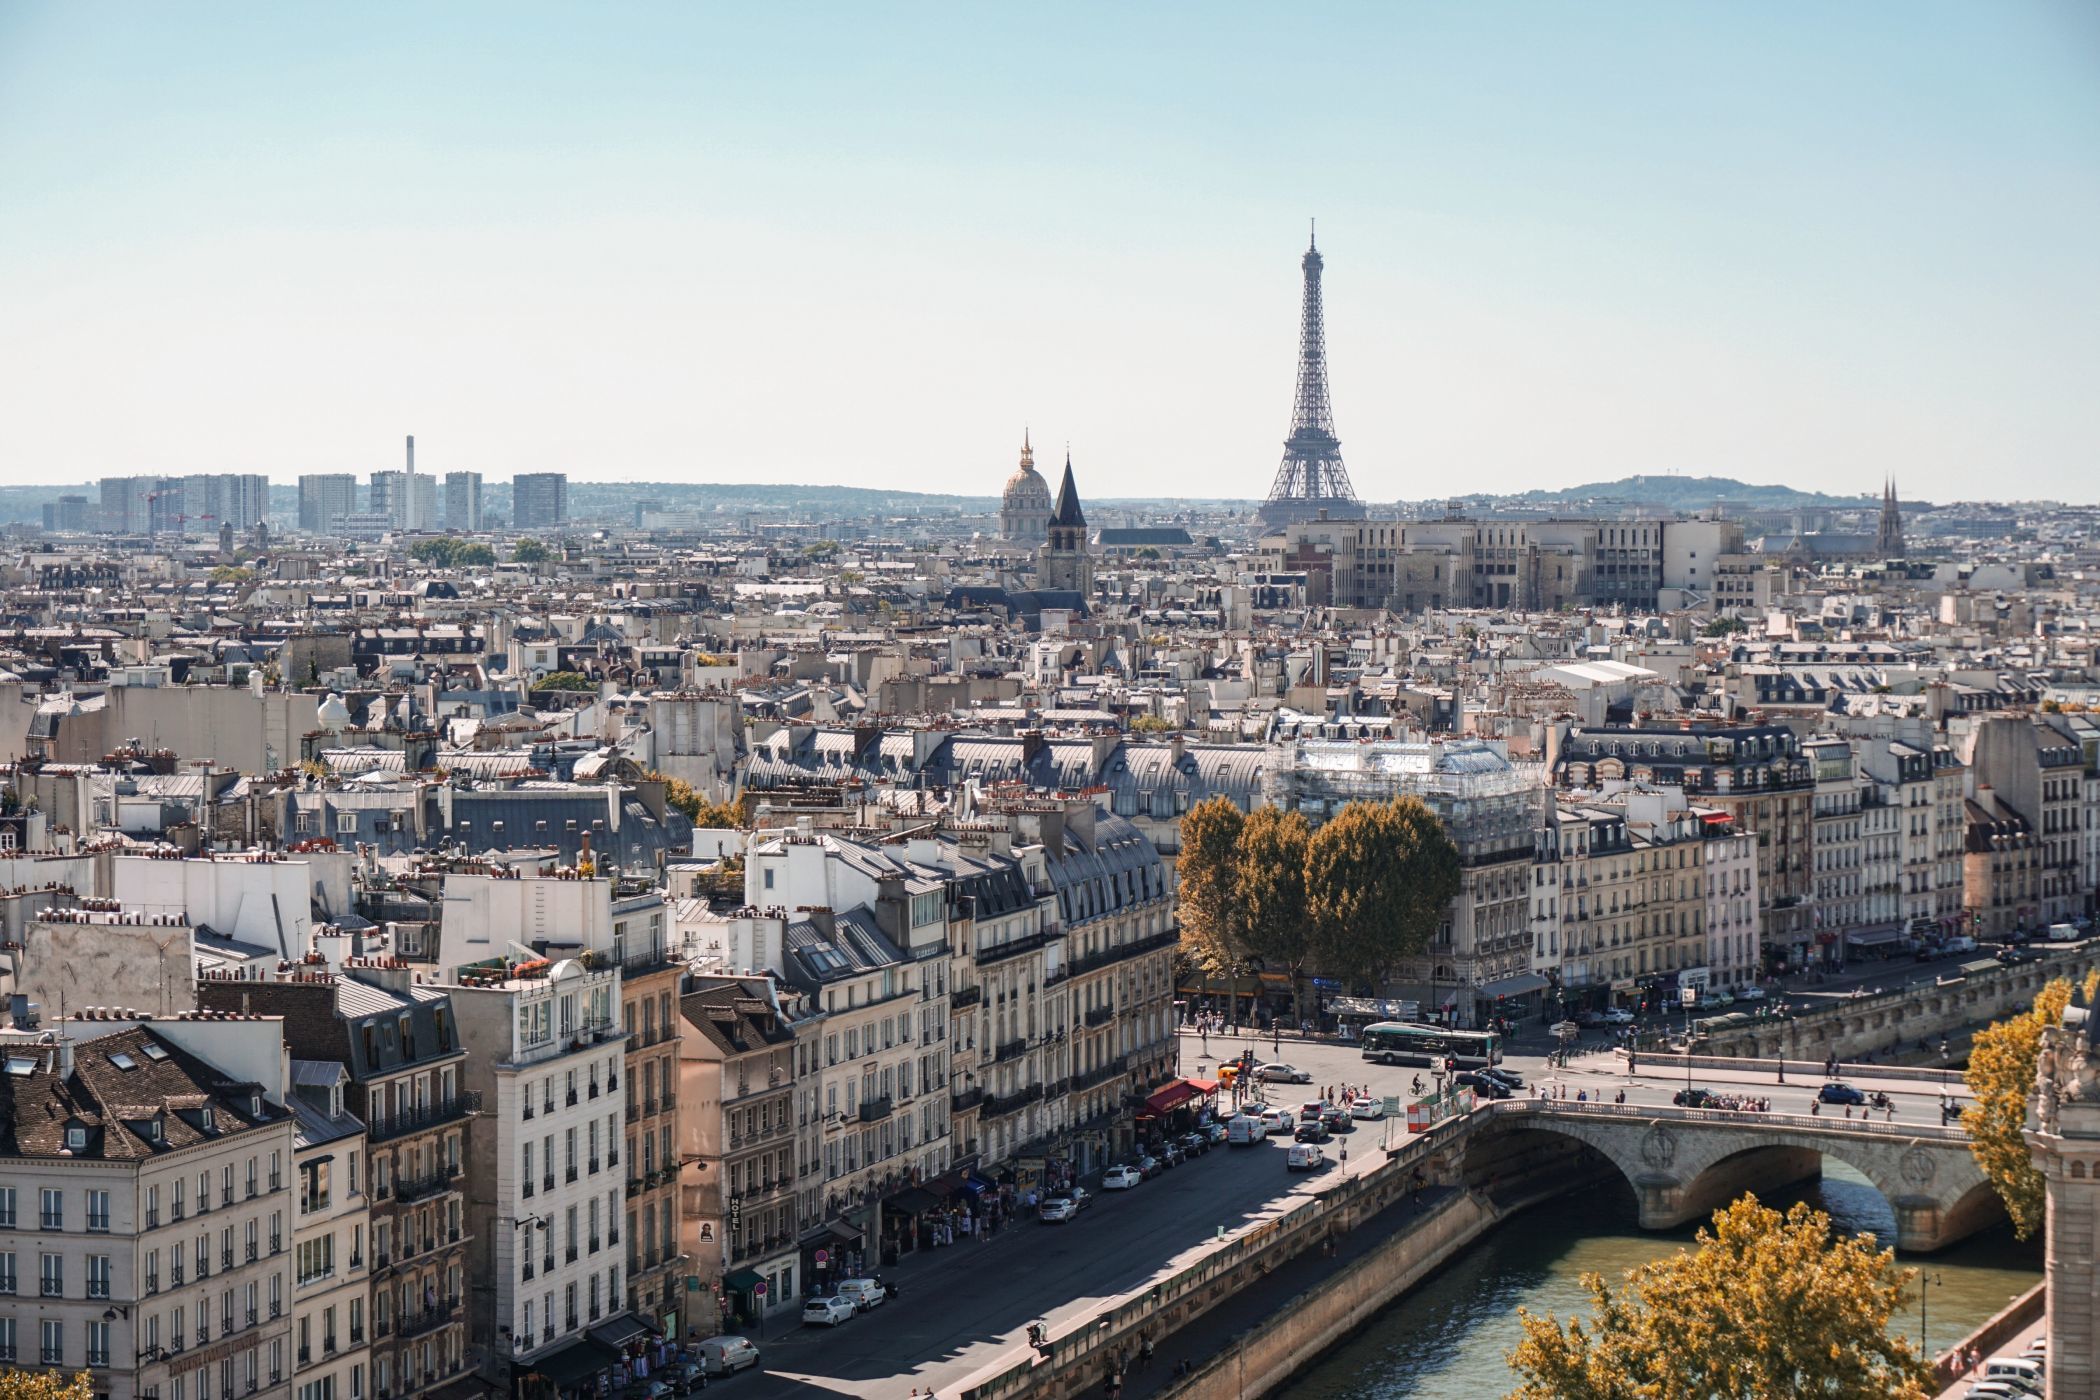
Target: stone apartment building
1115, 904
739, 1154
399, 1044
545, 1186
2024, 770
331, 1239
620, 922
1754, 773
146, 1205
1479, 962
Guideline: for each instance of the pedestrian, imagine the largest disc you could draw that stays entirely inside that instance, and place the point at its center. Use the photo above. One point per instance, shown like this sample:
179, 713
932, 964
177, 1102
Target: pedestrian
1891, 1112
1782, 1071
1815, 1108
1145, 1350
1848, 1110
1621, 1098
1345, 1154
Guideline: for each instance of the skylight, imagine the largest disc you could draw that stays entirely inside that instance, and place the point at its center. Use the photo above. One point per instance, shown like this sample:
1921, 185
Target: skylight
122, 1060
21, 1065
152, 1051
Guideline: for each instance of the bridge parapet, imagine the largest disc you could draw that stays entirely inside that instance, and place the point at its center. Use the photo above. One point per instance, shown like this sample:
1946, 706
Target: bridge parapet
1684, 1162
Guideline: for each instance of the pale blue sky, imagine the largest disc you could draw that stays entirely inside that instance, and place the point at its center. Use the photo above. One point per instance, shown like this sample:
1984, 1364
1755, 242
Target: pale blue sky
1801, 242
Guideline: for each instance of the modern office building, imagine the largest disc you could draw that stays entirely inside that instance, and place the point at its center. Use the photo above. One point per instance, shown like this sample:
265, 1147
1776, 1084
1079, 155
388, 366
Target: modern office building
463, 501
539, 500
326, 499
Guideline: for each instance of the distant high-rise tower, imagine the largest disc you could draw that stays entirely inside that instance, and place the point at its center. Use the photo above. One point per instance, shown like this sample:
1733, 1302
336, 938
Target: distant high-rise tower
1312, 477
1888, 539
463, 501
539, 500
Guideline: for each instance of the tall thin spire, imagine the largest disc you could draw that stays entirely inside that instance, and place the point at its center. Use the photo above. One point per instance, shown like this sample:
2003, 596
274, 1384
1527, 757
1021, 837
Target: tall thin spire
1311, 477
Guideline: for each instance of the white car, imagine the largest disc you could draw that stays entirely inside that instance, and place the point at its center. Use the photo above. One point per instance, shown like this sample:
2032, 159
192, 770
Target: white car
1305, 1157
1750, 994
828, 1312
1370, 1110
1618, 1017
1120, 1178
1056, 1209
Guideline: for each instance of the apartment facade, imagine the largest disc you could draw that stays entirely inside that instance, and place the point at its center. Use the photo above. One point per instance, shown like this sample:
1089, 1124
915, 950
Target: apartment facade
145, 1215
545, 1184
331, 1239
399, 1043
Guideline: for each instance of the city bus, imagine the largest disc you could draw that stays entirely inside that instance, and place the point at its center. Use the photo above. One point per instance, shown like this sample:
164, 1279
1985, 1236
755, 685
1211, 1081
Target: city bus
1400, 1043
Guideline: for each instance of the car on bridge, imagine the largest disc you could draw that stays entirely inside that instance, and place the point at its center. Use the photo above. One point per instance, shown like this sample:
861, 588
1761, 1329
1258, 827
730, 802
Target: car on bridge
1367, 1110
1504, 1073
1484, 1085
1692, 1098
1837, 1091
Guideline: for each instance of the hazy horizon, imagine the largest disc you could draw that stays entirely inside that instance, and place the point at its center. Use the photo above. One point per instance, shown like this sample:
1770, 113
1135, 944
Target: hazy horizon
1794, 244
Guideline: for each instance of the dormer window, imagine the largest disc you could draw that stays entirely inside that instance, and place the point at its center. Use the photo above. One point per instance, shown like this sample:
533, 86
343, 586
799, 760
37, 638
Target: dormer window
211, 1124
76, 1139
255, 1106
153, 1130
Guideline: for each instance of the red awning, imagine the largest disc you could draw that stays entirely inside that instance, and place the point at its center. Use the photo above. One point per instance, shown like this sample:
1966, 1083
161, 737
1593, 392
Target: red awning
1204, 1086
1171, 1097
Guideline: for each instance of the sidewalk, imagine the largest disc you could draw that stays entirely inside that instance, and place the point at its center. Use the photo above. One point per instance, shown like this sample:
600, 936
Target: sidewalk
1245, 1309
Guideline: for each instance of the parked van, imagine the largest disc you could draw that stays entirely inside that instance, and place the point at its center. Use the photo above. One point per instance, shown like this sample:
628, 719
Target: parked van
1305, 1157
1244, 1131
863, 1293
718, 1356
2062, 933
2020, 1370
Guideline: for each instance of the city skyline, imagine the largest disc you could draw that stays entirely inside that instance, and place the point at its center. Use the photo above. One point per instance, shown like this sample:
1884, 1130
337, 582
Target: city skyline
1790, 246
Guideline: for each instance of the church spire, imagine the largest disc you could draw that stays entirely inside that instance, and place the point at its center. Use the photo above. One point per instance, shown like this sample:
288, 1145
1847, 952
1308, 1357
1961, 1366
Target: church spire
1066, 511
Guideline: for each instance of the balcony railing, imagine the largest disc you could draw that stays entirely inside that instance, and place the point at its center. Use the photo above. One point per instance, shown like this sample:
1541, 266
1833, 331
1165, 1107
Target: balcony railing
1100, 1016
963, 998
1107, 957
458, 1107
1011, 1050
417, 1188
428, 1320
1100, 1074
875, 1110
966, 1100
996, 1104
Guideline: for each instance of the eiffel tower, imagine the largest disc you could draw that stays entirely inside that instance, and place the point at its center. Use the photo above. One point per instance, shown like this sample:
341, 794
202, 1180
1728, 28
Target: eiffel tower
1312, 478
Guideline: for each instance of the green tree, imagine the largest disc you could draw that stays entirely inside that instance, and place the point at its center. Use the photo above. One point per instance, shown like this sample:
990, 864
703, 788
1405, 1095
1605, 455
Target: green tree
1269, 918
682, 796
2001, 1076
1377, 880
444, 552
1151, 724
45, 1385
530, 552
565, 680
229, 573
1206, 876
1764, 1308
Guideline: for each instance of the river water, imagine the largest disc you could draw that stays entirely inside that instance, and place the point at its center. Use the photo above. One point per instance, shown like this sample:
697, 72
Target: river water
1450, 1338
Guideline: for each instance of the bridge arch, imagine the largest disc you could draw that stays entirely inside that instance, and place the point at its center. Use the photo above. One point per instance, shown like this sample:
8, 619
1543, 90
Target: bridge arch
1682, 1164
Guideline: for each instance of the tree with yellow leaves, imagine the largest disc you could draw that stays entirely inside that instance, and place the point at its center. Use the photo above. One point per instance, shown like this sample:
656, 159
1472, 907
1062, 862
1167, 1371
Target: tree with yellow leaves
44, 1385
2001, 1076
1764, 1308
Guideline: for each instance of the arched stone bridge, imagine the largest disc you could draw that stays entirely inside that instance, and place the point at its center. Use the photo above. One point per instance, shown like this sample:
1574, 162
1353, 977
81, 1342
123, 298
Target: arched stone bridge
1684, 1163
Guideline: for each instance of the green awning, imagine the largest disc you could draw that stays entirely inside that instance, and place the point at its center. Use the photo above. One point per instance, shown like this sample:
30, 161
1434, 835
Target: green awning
571, 1366
744, 1280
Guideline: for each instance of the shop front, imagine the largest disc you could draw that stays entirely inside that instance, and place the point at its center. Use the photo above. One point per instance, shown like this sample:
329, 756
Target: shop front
835, 1252
1503, 1003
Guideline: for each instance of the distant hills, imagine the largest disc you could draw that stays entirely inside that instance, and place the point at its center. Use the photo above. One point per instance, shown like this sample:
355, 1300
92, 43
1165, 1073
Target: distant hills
1688, 493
